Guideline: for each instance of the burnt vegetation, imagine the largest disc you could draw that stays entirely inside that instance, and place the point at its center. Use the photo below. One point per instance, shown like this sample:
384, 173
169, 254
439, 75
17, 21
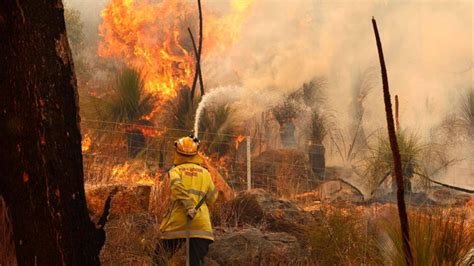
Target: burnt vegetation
88, 125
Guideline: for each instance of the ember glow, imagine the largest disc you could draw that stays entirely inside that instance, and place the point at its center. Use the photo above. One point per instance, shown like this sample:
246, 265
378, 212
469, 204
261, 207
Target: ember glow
132, 172
86, 143
153, 37
238, 140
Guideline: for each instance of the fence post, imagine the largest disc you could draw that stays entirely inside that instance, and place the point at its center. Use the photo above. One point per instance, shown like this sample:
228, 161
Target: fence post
249, 166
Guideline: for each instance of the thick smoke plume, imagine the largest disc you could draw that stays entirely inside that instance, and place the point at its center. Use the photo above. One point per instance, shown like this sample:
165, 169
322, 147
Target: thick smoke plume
427, 44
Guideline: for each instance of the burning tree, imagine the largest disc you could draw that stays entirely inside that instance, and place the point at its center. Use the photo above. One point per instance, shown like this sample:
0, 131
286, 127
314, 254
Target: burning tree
41, 162
129, 103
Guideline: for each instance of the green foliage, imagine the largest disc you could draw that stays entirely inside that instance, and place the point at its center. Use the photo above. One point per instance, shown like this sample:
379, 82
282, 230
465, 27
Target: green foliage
379, 161
437, 237
181, 110
128, 102
217, 129
216, 125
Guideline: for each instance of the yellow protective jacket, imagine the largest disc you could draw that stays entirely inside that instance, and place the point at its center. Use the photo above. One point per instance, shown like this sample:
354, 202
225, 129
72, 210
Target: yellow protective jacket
189, 182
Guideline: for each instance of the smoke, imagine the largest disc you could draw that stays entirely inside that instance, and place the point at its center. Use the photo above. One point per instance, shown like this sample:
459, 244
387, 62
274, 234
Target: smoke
427, 45
217, 96
286, 43
247, 102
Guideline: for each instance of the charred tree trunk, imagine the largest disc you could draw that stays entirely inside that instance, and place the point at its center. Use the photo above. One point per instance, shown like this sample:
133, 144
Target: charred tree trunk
317, 160
197, 53
402, 213
41, 174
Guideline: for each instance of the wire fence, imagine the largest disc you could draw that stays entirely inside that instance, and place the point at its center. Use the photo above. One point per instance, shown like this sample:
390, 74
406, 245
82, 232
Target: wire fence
130, 152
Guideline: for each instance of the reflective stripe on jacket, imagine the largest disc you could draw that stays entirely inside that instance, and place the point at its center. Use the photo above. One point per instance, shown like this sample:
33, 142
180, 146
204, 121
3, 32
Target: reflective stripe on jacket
189, 183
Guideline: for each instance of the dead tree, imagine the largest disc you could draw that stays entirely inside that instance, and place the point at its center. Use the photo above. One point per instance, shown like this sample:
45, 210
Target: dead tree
402, 212
197, 53
41, 174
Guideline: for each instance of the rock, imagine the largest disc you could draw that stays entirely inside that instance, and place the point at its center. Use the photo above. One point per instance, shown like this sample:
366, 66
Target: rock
338, 190
127, 200
444, 196
282, 171
257, 207
252, 247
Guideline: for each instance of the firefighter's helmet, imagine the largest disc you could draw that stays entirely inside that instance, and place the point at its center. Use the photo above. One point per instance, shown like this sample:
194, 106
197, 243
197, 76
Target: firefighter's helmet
187, 145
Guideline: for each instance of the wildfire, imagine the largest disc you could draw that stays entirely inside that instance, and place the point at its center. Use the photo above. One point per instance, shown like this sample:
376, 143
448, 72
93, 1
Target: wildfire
153, 37
86, 143
132, 173
238, 140
146, 130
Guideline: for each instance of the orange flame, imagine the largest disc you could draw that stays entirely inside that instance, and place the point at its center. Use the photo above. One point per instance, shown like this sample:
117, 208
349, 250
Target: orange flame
238, 140
153, 37
132, 173
86, 143
146, 130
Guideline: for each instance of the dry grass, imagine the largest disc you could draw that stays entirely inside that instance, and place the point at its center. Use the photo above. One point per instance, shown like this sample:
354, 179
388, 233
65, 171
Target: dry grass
131, 240
438, 237
343, 237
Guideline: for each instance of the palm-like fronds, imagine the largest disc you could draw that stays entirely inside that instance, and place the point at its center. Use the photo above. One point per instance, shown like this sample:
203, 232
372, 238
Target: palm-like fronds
379, 163
467, 111
217, 125
286, 111
181, 110
129, 102
318, 127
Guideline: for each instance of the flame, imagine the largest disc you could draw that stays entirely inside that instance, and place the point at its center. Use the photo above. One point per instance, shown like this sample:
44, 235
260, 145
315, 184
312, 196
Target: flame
238, 140
132, 173
153, 37
146, 130
86, 143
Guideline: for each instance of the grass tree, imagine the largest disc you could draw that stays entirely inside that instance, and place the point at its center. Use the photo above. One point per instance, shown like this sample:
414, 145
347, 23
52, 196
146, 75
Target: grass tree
318, 129
284, 114
181, 110
128, 102
216, 124
218, 129
379, 160
467, 112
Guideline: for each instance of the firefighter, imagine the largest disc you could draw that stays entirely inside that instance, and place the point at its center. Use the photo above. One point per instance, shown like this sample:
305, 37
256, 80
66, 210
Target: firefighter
190, 182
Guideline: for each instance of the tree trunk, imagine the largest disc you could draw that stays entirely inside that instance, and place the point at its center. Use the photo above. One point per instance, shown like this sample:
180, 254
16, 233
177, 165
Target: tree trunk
287, 134
135, 142
397, 162
41, 175
317, 160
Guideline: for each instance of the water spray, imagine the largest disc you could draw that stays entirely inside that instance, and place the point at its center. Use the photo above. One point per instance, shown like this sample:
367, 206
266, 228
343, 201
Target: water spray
226, 94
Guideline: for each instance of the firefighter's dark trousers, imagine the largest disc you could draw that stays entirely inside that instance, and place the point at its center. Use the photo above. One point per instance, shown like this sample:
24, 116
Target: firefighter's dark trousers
198, 248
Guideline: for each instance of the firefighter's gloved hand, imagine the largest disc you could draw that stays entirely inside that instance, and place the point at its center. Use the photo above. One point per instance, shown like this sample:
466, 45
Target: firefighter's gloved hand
191, 213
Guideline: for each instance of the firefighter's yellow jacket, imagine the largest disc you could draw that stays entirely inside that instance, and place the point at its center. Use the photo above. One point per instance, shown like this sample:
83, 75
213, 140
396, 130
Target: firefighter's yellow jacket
189, 182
